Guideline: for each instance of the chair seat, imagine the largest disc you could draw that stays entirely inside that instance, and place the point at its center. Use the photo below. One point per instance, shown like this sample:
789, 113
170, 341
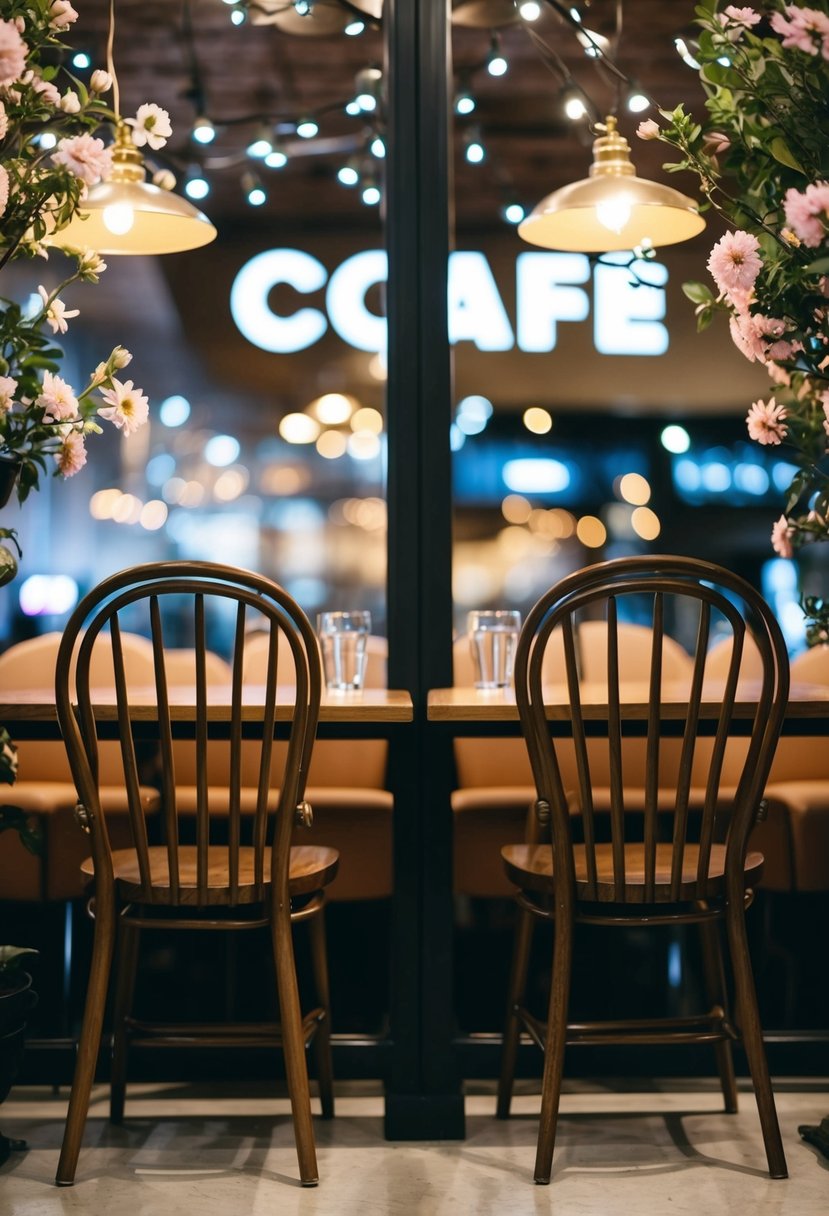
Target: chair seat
530, 867
311, 869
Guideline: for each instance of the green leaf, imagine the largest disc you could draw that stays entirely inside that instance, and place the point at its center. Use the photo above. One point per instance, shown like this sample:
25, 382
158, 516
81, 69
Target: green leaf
697, 293
783, 155
819, 266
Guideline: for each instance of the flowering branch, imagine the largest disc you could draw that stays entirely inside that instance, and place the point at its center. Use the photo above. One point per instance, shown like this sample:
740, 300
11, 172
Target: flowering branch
51, 153
762, 158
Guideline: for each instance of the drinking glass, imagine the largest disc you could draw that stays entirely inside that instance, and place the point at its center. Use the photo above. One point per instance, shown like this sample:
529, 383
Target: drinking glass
493, 637
343, 637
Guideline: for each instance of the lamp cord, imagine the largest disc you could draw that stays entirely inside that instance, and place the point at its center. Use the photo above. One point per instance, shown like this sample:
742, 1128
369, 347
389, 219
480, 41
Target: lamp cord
116, 96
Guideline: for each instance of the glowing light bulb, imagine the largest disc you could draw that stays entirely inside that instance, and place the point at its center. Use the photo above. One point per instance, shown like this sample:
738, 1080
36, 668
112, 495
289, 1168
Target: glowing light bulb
119, 218
575, 108
613, 213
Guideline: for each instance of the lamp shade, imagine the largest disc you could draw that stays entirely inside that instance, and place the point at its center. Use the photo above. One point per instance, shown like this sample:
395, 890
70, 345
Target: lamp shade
128, 215
613, 209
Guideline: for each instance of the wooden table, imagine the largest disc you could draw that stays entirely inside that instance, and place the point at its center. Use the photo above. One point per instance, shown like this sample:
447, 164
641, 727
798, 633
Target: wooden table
32, 714
494, 711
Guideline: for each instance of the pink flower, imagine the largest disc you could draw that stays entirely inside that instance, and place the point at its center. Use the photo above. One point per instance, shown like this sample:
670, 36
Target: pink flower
44, 88
70, 103
127, 408
4, 121
765, 422
56, 399
734, 262
4, 189
100, 81
738, 16
8, 388
745, 337
715, 143
71, 456
803, 29
778, 374
61, 15
770, 331
85, 156
12, 53
781, 538
648, 129
807, 213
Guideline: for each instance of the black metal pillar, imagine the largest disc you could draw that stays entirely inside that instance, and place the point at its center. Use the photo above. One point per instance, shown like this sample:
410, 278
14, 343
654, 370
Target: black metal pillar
423, 1098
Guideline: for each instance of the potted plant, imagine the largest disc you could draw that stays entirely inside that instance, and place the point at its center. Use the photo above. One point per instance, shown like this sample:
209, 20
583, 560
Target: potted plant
16, 999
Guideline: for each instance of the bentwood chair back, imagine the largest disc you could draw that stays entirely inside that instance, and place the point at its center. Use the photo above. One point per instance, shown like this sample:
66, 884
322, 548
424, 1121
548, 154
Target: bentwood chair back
670, 862
44, 788
208, 872
494, 779
353, 809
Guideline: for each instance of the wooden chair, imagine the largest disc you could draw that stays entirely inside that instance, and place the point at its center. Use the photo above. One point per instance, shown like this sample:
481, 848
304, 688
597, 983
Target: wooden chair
248, 880
45, 789
663, 867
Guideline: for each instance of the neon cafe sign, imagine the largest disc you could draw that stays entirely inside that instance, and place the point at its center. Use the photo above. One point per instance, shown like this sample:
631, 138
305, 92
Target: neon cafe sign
550, 288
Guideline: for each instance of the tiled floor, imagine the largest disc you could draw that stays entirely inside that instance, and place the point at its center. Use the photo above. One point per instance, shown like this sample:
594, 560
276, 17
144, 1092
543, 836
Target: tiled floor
211, 1151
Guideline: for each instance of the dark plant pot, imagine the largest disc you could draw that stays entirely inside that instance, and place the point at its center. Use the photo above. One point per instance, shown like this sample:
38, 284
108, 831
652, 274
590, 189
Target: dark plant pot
9, 469
16, 999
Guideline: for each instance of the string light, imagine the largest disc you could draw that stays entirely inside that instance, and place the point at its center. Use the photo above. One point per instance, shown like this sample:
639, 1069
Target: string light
81, 60
238, 16
254, 190
574, 105
496, 63
196, 186
307, 128
464, 103
203, 131
637, 101
513, 213
260, 146
370, 193
529, 10
347, 175
303, 8
354, 28
685, 54
475, 152
377, 147
276, 159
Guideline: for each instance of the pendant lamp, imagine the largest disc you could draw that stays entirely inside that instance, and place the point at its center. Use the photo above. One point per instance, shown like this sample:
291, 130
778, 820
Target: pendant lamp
127, 214
612, 209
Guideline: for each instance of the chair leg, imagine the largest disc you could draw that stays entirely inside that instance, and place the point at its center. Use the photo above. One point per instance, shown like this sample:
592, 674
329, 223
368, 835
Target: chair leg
752, 1035
293, 1044
714, 976
125, 969
89, 1042
322, 1038
512, 1030
554, 1046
